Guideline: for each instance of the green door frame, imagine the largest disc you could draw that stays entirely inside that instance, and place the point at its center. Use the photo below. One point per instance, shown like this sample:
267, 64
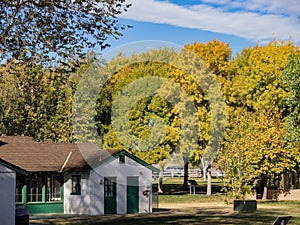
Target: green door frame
110, 195
133, 194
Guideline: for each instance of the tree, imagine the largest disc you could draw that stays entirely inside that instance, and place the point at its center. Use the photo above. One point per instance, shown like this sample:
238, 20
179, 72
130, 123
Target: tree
254, 149
36, 102
256, 137
258, 84
217, 56
291, 77
145, 112
57, 30
180, 102
232, 160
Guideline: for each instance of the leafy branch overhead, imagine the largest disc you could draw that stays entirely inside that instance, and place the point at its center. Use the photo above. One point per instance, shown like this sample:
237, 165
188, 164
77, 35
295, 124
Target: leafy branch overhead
57, 29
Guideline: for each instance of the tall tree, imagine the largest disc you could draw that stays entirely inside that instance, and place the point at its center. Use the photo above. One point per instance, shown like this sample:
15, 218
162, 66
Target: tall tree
170, 74
291, 77
258, 84
254, 149
57, 30
217, 56
144, 112
258, 90
36, 102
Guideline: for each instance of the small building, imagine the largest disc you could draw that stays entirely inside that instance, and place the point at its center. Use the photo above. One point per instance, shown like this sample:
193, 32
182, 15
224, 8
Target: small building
76, 178
7, 193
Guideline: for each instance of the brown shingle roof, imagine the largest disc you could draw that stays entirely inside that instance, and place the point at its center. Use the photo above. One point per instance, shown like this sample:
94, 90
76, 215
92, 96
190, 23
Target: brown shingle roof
49, 157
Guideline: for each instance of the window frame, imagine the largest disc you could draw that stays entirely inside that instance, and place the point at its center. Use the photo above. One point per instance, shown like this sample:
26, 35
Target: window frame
122, 159
35, 188
52, 195
76, 180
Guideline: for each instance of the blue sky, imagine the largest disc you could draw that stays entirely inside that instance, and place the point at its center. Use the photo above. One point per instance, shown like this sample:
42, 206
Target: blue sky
237, 22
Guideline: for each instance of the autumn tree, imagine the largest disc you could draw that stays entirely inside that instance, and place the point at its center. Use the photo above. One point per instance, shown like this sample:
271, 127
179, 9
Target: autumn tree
217, 56
258, 84
238, 175
258, 90
291, 78
144, 112
36, 102
180, 81
254, 149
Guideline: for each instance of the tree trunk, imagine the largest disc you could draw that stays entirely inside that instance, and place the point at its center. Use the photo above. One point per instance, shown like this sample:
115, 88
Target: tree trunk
160, 182
208, 192
204, 168
186, 172
162, 165
204, 174
265, 191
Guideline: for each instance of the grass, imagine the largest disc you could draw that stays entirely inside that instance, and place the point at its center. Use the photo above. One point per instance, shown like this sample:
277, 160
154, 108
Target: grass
174, 185
182, 208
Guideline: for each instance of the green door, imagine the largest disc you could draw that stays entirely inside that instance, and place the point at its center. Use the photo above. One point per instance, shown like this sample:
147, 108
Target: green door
132, 194
110, 195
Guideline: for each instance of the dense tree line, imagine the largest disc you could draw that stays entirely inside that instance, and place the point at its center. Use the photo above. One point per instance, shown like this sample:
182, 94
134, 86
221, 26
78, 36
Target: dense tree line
260, 88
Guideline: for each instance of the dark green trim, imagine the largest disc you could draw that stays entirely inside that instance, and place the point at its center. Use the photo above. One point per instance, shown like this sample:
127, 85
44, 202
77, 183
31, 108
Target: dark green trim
44, 190
110, 195
138, 160
13, 167
24, 195
62, 190
45, 207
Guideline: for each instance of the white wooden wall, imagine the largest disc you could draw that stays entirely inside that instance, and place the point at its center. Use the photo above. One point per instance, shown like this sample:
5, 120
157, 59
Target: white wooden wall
7, 196
121, 172
76, 204
91, 200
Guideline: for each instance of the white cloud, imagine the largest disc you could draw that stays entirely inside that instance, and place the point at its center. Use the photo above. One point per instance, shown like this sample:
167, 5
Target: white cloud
289, 7
251, 19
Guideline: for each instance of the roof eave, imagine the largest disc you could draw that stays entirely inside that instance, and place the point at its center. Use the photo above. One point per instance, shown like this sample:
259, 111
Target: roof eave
14, 167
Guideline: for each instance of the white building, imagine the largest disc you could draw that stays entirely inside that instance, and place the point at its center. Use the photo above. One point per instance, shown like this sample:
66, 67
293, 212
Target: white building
73, 179
120, 184
7, 192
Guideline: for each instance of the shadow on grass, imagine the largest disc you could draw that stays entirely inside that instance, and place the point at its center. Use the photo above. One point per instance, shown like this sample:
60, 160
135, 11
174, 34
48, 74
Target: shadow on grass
166, 216
164, 219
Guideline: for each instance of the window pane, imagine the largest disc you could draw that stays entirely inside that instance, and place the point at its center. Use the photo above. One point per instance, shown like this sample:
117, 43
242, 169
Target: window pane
19, 188
109, 187
34, 191
76, 184
54, 187
121, 159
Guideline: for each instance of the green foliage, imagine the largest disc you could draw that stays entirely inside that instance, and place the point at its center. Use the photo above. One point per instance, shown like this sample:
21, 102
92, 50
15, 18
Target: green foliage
127, 88
258, 83
57, 30
255, 145
36, 102
291, 77
157, 87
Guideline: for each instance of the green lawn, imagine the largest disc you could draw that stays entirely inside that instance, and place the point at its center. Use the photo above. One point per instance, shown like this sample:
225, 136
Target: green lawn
208, 211
174, 185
